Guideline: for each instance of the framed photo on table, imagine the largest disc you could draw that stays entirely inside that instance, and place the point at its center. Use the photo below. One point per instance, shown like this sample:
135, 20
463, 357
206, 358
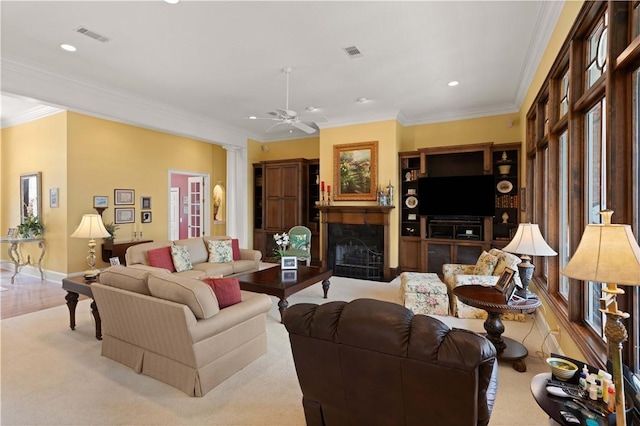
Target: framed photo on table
288, 262
505, 284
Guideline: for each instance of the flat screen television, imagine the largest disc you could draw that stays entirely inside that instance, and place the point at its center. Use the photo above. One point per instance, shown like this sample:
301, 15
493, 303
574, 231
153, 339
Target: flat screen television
456, 196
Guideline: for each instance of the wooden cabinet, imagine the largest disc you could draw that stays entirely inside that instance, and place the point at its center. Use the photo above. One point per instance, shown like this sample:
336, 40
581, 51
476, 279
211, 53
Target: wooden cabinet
285, 192
113, 249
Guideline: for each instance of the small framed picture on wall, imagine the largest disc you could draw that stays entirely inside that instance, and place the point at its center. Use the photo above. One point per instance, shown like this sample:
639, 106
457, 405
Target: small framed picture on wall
124, 196
125, 215
145, 217
145, 203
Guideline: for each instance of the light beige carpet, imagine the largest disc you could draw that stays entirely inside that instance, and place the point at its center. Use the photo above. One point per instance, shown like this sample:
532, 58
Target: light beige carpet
54, 376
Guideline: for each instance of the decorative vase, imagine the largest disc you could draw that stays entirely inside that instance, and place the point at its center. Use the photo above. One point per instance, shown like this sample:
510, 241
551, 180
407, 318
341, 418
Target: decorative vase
505, 217
504, 169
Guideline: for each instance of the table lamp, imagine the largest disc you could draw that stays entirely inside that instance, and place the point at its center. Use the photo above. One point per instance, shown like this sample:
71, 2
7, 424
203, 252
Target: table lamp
91, 227
527, 242
609, 254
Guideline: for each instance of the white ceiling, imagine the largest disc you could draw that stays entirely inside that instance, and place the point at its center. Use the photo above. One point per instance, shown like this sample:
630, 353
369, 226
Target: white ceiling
216, 63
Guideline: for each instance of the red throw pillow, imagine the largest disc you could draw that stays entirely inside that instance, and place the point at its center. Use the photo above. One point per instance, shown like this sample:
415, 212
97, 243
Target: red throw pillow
235, 246
227, 290
161, 258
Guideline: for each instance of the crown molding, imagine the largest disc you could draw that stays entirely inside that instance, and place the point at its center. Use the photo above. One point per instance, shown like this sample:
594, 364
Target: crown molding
21, 77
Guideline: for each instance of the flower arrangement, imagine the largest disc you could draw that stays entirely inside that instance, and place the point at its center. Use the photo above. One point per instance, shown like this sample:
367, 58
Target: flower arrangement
282, 240
31, 225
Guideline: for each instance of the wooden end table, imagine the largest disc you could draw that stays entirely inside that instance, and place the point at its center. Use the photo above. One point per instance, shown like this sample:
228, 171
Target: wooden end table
493, 301
283, 283
76, 286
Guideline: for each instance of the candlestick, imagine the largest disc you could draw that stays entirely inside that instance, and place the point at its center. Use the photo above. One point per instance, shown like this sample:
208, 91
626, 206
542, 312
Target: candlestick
322, 186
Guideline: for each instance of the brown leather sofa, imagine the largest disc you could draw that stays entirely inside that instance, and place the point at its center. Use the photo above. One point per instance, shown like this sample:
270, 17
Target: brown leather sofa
370, 362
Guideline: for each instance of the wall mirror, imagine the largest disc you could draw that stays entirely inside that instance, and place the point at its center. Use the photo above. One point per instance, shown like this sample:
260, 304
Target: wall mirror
30, 194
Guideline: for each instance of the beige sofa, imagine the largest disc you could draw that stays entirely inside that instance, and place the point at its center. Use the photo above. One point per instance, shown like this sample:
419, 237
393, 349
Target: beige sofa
136, 256
171, 327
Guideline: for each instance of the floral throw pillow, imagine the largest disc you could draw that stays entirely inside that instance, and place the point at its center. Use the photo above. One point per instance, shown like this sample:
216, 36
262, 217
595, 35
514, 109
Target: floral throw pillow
181, 258
298, 242
486, 264
220, 251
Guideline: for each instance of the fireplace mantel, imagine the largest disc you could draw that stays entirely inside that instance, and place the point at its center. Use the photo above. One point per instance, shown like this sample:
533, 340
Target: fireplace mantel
355, 215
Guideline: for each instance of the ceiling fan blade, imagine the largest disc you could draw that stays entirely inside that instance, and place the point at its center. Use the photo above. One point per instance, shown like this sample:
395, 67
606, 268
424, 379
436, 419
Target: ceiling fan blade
303, 127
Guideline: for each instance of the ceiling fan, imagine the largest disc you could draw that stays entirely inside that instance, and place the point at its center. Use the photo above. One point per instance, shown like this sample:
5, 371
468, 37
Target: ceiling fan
286, 116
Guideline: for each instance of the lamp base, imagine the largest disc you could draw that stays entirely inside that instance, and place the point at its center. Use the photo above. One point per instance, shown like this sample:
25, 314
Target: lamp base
91, 275
525, 293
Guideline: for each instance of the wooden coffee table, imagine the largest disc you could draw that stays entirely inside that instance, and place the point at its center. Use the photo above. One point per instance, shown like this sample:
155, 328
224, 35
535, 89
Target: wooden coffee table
76, 286
283, 283
493, 301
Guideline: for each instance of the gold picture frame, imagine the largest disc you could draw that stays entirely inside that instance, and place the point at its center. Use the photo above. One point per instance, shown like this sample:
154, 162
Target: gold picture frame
355, 171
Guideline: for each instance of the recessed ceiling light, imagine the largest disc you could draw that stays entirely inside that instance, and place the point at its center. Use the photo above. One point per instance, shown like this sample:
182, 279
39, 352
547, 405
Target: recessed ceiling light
453, 83
362, 100
252, 117
68, 47
172, 1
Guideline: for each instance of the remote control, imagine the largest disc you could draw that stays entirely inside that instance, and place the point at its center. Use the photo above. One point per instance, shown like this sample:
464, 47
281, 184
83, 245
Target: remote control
569, 418
556, 391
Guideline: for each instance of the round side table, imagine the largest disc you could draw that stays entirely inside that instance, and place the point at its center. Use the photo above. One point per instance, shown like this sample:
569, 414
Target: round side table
493, 301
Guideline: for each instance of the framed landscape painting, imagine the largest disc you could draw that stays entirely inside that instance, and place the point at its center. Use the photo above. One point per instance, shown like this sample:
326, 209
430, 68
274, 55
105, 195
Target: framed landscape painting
355, 171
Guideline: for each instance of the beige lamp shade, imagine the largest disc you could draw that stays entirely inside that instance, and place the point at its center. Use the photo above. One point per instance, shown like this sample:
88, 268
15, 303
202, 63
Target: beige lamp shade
528, 240
607, 253
91, 227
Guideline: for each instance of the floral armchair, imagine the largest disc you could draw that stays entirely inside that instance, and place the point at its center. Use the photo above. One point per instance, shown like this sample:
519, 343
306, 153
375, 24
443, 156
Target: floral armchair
486, 271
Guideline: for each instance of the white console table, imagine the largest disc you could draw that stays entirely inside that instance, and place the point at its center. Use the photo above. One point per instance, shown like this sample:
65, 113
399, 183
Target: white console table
14, 253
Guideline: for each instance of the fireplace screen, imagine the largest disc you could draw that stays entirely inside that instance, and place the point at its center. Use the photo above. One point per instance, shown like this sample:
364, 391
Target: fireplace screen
354, 259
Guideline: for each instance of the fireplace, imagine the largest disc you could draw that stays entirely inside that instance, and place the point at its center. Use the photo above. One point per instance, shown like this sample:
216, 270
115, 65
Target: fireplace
356, 251
355, 241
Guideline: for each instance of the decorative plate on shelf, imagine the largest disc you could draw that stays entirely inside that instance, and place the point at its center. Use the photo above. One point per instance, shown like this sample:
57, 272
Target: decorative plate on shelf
411, 202
504, 186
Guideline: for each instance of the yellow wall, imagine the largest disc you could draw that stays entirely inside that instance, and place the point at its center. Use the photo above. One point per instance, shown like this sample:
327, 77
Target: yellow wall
38, 146
86, 156
497, 129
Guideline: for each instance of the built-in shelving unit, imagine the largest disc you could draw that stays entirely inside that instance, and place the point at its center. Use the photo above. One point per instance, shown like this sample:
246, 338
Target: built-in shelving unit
506, 162
427, 242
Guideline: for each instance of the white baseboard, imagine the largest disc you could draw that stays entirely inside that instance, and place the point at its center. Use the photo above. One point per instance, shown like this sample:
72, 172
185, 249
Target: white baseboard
34, 272
550, 343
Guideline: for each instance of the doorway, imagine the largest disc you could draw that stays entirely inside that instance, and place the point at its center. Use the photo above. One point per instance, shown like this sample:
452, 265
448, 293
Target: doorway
188, 205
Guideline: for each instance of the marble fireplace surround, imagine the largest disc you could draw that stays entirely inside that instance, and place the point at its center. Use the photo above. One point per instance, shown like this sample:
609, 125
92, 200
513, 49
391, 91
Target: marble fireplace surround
355, 215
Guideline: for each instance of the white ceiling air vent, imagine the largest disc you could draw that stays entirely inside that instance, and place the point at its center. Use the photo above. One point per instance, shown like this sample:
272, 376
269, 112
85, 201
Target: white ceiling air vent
92, 34
353, 52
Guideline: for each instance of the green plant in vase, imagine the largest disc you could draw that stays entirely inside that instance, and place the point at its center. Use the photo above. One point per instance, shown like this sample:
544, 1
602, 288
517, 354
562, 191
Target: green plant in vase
31, 225
111, 229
